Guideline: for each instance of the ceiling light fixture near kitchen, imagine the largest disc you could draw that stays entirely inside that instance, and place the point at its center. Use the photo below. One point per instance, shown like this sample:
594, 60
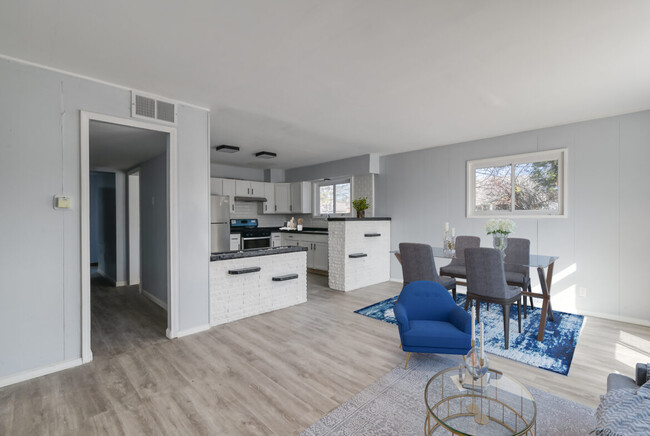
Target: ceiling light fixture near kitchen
227, 148
265, 155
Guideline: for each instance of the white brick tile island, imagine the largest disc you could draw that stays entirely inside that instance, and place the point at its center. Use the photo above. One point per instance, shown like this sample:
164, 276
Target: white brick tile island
239, 290
359, 252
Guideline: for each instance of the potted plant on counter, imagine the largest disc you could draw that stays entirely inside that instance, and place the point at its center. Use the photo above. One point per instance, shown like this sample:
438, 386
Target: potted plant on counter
360, 205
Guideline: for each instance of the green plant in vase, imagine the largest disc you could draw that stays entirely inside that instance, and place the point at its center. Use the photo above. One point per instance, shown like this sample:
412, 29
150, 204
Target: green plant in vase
360, 205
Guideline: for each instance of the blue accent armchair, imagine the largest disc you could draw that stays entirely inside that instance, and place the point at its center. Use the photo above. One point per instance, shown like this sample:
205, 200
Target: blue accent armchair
430, 322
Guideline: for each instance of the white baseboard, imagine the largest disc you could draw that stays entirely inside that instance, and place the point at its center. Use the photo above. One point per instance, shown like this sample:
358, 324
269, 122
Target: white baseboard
122, 283
191, 331
155, 299
38, 372
395, 279
627, 319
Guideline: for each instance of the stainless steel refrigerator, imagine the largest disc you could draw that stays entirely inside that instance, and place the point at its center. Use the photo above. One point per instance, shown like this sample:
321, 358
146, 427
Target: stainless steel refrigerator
219, 223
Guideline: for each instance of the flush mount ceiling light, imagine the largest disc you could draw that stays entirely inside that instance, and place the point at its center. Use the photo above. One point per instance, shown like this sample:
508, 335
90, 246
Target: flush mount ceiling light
265, 155
227, 148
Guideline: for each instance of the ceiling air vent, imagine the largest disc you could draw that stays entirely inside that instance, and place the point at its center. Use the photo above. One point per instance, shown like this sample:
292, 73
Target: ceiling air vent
149, 107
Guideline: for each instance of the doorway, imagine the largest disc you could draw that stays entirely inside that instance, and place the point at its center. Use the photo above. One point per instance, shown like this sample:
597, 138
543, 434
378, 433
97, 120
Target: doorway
145, 198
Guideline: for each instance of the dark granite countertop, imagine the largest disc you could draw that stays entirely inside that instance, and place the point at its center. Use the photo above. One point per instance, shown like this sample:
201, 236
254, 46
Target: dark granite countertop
310, 230
256, 252
373, 218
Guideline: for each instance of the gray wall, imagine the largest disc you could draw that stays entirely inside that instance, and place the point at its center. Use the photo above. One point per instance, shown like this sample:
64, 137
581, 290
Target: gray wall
602, 243
40, 316
153, 226
345, 167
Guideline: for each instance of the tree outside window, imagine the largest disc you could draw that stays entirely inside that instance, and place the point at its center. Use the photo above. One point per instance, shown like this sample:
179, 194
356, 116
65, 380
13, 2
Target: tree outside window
517, 185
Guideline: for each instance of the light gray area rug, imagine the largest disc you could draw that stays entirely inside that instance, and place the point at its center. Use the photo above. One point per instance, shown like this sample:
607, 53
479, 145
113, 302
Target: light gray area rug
394, 405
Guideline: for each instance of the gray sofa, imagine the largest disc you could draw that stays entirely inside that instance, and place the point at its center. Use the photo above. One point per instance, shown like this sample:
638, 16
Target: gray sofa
619, 381
625, 408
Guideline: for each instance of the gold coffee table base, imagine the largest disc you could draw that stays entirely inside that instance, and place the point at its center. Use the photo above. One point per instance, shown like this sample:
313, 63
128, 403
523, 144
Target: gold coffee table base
498, 408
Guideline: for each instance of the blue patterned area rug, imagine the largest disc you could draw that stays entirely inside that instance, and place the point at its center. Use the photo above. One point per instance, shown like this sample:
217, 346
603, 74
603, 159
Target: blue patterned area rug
553, 354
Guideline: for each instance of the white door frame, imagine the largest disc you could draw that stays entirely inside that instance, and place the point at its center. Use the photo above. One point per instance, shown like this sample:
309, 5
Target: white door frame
172, 230
134, 215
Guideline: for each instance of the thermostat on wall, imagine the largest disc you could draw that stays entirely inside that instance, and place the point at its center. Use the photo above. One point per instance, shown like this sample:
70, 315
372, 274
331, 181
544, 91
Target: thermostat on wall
62, 202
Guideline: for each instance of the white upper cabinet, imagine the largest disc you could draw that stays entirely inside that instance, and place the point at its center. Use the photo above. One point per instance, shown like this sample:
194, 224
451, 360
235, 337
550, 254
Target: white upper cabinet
216, 186
257, 189
245, 188
242, 188
301, 197
269, 193
282, 197
228, 188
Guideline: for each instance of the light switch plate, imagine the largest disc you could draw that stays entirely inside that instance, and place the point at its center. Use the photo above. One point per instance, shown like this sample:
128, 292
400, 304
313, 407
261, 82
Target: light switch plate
62, 202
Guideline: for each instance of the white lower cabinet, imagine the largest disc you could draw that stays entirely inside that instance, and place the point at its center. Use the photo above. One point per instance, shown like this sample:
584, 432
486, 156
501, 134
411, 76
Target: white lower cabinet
317, 248
320, 257
235, 241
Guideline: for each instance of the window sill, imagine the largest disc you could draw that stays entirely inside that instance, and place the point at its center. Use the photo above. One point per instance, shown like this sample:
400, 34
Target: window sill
513, 217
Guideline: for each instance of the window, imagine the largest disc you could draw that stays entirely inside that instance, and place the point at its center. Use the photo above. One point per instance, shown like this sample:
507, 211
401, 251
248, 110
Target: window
531, 184
333, 197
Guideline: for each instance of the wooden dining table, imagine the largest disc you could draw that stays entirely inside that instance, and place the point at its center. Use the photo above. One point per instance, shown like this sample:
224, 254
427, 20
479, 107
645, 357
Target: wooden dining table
544, 265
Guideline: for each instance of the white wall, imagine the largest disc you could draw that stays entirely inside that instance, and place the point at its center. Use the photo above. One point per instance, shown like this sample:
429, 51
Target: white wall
153, 227
602, 243
236, 172
40, 316
363, 164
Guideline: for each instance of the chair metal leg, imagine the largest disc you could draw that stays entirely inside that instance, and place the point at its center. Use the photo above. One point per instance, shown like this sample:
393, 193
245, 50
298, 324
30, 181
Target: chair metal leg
408, 356
506, 324
530, 289
488, 306
453, 293
519, 312
467, 300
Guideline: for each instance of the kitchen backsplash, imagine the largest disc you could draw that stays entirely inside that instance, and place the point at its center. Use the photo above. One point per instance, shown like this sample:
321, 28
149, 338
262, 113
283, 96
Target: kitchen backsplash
250, 209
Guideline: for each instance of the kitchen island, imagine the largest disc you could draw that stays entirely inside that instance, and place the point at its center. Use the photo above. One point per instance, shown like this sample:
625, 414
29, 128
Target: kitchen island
358, 252
250, 282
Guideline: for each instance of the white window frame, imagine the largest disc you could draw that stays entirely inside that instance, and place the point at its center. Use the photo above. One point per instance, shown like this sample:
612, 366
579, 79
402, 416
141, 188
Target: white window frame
561, 155
333, 182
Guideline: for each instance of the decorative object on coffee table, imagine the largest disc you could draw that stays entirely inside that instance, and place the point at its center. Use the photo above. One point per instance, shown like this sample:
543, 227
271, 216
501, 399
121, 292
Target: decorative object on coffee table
360, 205
500, 229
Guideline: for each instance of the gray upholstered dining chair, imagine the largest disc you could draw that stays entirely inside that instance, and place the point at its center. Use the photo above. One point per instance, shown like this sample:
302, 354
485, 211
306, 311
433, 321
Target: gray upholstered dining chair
418, 264
456, 268
486, 281
518, 255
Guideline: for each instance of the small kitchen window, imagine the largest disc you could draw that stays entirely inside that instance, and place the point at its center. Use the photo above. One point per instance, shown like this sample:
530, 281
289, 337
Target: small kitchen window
333, 197
532, 184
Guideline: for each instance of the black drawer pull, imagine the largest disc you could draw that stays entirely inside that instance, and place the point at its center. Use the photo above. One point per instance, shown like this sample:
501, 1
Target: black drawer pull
248, 270
357, 255
285, 277
372, 235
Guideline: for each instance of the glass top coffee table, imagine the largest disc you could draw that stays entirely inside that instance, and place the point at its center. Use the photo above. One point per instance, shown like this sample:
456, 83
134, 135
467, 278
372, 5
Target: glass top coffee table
505, 407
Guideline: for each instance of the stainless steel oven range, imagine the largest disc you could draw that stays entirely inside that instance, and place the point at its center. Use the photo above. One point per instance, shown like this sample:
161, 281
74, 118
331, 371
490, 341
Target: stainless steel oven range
252, 237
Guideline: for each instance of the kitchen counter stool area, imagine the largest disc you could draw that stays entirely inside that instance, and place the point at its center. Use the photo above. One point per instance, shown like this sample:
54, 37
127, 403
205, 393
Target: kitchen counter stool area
257, 283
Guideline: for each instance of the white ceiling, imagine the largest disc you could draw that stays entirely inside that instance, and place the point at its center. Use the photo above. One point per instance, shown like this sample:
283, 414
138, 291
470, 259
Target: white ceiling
321, 80
122, 147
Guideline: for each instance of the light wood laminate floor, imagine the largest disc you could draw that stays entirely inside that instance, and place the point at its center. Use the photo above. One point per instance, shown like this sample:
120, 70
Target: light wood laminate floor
275, 373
